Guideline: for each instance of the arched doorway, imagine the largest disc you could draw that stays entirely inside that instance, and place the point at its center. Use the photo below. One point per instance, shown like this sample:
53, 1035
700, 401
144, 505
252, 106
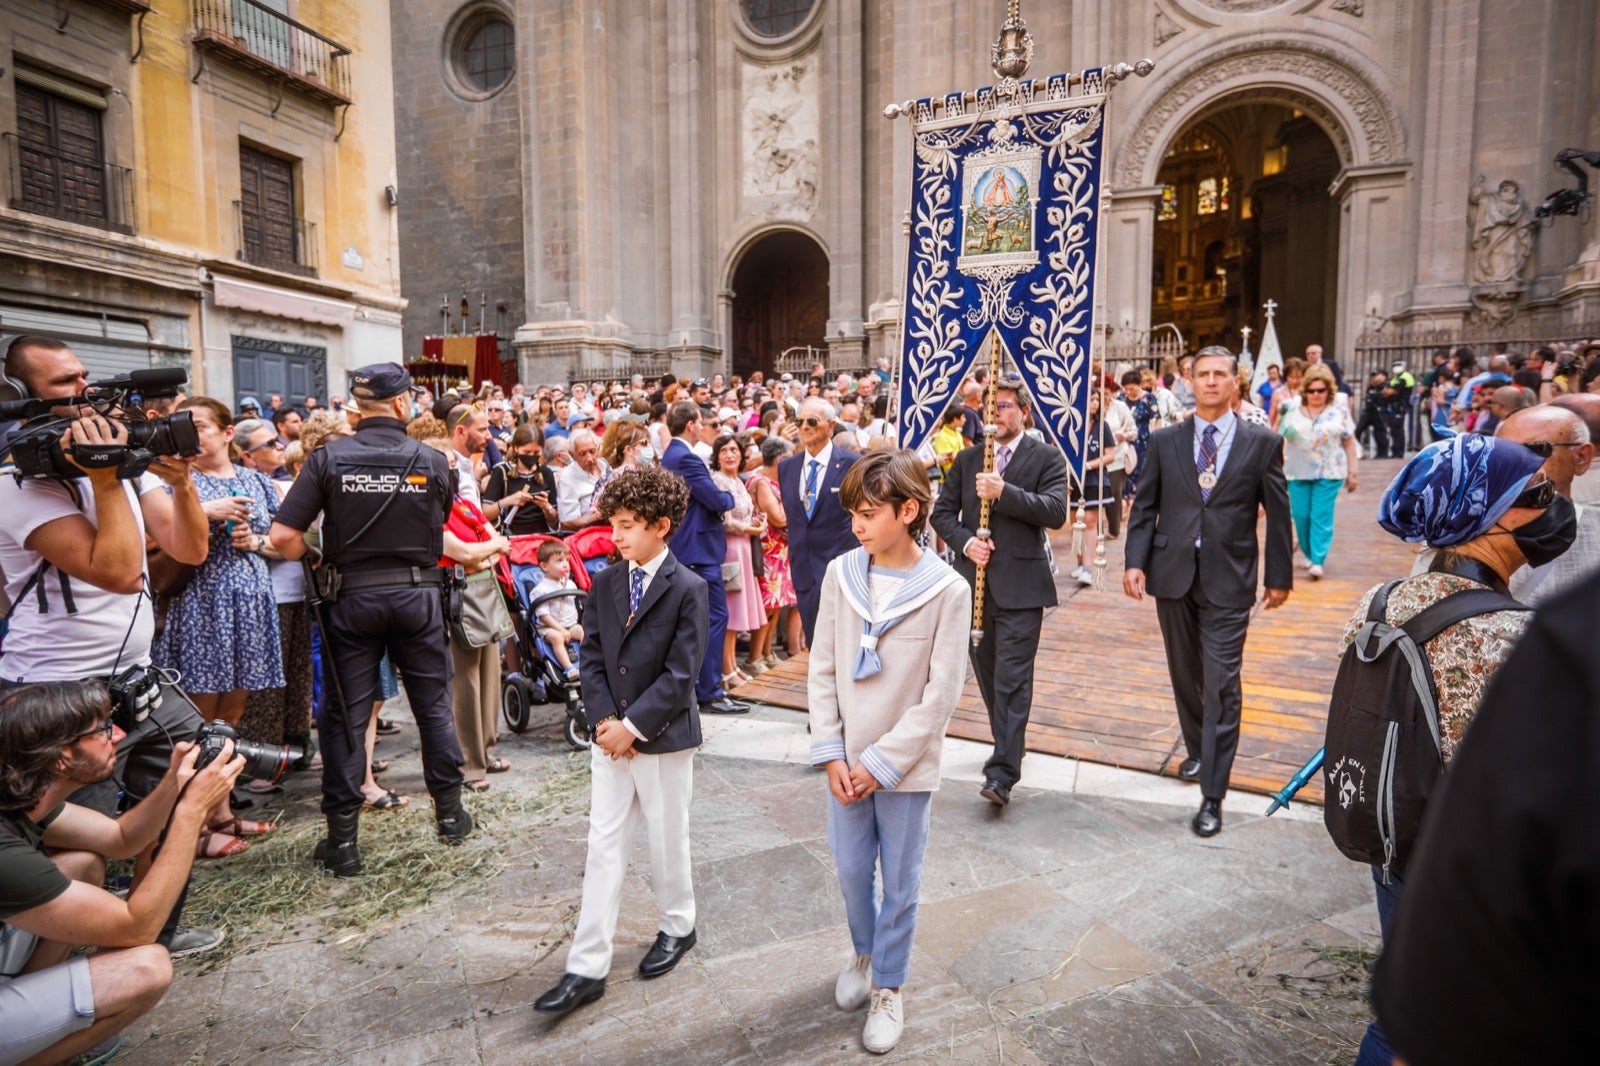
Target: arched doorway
1246, 216
780, 300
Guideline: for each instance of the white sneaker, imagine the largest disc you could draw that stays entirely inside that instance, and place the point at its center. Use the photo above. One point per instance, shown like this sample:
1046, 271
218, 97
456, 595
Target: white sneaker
1084, 576
885, 1021
1315, 571
854, 986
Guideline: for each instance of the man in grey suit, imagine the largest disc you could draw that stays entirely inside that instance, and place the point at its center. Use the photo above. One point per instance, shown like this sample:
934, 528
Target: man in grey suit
1028, 494
1192, 538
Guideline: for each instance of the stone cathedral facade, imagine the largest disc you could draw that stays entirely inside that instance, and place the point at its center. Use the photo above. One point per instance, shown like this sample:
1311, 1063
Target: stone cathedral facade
704, 185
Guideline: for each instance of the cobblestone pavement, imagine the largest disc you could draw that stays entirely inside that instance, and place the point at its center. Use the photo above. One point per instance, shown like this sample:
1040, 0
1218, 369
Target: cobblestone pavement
1084, 924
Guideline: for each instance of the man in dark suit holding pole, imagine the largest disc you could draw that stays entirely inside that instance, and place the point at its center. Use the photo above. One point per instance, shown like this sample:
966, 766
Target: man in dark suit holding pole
1192, 545
1028, 494
819, 526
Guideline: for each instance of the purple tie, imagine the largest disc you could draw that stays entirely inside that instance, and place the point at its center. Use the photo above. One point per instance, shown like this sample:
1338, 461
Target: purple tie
1001, 459
1208, 459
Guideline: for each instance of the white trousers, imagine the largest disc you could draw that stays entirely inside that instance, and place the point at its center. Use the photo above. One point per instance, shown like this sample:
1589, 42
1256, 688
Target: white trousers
656, 788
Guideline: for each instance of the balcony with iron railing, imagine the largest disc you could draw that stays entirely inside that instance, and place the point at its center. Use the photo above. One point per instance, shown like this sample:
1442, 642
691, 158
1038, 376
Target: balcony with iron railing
275, 46
46, 181
286, 244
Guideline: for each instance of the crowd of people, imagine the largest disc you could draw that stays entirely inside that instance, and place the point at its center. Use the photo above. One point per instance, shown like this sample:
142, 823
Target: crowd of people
795, 521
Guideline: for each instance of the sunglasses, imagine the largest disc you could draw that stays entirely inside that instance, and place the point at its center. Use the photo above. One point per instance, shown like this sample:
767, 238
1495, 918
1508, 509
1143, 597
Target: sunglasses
811, 423
1537, 497
103, 729
1544, 449
1317, 392
273, 443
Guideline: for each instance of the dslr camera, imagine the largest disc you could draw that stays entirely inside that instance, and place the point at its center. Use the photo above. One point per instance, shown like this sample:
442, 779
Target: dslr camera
36, 446
260, 760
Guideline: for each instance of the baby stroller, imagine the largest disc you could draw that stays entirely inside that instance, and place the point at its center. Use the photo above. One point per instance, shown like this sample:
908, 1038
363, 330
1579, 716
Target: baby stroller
538, 677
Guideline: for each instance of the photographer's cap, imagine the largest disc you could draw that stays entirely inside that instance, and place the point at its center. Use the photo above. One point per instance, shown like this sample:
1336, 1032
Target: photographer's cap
380, 381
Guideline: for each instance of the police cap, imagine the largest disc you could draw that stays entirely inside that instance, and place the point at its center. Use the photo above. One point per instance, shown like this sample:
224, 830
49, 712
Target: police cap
380, 381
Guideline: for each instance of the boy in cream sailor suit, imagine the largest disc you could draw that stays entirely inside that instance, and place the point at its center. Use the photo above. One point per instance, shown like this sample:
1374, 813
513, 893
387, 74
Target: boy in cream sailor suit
887, 665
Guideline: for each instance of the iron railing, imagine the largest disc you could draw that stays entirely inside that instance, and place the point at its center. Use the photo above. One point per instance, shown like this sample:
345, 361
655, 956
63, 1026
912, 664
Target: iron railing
288, 244
1381, 349
275, 45
44, 181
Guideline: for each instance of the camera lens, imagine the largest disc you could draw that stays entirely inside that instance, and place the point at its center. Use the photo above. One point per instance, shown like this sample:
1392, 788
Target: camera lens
264, 761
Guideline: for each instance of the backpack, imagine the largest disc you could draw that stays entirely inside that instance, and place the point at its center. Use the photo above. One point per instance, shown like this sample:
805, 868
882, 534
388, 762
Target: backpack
1383, 756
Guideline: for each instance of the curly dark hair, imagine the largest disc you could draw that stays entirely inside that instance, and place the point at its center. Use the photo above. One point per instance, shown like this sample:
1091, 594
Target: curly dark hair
36, 722
650, 493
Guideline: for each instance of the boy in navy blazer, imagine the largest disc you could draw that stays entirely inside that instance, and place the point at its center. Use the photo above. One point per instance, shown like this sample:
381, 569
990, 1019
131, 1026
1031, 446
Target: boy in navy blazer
645, 634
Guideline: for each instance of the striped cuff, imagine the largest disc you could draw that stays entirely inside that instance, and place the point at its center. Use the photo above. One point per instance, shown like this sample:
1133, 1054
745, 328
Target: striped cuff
826, 751
880, 768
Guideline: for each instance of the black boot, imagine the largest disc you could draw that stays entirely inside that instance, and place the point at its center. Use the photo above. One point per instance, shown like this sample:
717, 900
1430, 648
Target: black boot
338, 853
455, 824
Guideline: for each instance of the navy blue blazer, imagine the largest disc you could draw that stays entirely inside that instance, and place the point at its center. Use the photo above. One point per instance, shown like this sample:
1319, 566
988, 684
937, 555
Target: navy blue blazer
816, 541
645, 670
701, 540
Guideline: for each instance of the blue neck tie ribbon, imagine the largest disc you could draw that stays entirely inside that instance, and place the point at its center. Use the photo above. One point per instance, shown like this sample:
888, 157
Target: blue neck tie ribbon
635, 591
1206, 467
813, 467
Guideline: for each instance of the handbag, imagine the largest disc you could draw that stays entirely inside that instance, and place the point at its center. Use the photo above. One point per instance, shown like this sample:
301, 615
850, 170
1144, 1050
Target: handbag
732, 577
484, 618
168, 576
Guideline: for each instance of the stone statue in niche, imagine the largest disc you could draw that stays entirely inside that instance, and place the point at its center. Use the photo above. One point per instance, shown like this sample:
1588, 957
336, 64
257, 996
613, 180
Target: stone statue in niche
1502, 240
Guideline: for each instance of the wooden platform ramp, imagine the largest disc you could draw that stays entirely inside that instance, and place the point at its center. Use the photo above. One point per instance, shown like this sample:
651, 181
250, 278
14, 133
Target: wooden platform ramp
1101, 690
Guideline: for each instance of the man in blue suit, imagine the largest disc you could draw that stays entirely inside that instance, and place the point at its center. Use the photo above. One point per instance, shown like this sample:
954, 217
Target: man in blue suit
819, 526
701, 544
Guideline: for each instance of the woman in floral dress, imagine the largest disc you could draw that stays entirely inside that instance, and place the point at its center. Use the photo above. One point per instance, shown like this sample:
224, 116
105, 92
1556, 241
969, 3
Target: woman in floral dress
741, 523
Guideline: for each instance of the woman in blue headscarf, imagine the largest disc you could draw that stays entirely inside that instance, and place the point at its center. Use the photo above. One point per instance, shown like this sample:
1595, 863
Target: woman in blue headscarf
1487, 507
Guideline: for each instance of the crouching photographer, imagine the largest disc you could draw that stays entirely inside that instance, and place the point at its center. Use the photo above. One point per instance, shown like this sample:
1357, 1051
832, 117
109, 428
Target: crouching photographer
72, 548
55, 738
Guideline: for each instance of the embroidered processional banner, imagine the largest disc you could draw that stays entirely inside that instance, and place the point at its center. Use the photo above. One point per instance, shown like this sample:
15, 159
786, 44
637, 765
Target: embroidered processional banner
1005, 218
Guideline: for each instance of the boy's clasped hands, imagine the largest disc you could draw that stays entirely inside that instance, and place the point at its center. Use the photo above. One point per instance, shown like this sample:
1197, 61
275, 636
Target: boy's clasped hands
849, 785
615, 739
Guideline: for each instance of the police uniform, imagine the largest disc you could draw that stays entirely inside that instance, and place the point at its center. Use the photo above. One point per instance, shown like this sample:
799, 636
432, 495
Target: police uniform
384, 499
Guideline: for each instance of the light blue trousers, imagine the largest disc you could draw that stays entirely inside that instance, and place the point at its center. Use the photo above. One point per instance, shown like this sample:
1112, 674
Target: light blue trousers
1311, 505
891, 829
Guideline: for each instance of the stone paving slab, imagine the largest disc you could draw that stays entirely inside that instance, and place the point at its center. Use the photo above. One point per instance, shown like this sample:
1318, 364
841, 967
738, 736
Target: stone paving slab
1083, 924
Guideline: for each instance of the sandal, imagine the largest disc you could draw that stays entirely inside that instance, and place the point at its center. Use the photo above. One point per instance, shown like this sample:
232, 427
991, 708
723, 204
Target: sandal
498, 766
475, 786
388, 727
239, 827
379, 765
732, 680
389, 801
202, 847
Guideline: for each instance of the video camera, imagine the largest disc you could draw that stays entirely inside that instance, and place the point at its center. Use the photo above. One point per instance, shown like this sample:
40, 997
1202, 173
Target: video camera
36, 445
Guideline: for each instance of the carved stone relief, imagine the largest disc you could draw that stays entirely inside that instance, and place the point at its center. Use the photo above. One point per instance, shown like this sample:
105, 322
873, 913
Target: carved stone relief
1165, 28
1353, 8
779, 126
1250, 68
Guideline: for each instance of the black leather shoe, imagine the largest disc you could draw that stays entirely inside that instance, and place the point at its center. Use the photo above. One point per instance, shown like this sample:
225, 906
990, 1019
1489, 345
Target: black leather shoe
1208, 820
573, 991
455, 828
339, 859
665, 953
725, 705
337, 853
995, 792
1189, 770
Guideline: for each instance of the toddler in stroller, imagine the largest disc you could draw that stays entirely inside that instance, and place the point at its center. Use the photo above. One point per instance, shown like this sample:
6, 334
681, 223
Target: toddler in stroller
541, 667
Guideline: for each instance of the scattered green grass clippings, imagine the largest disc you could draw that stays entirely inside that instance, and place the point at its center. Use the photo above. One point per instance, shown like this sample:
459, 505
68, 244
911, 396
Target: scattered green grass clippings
275, 892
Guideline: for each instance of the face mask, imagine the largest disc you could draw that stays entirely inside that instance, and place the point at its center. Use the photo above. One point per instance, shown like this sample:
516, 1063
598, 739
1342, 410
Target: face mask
647, 454
1547, 537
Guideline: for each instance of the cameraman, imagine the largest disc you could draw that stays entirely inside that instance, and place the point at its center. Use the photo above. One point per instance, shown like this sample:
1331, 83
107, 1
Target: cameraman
72, 552
54, 739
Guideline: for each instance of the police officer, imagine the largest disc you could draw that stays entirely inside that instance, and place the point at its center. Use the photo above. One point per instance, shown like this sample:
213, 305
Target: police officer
384, 499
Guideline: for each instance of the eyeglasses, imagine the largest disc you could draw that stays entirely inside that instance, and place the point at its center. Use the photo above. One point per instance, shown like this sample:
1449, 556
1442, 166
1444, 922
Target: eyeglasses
1319, 391
811, 423
104, 728
1544, 449
1007, 405
700, 383
272, 443
1538, 496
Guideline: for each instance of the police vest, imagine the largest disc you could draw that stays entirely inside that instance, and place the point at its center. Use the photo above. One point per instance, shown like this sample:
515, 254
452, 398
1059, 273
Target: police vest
382, 507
